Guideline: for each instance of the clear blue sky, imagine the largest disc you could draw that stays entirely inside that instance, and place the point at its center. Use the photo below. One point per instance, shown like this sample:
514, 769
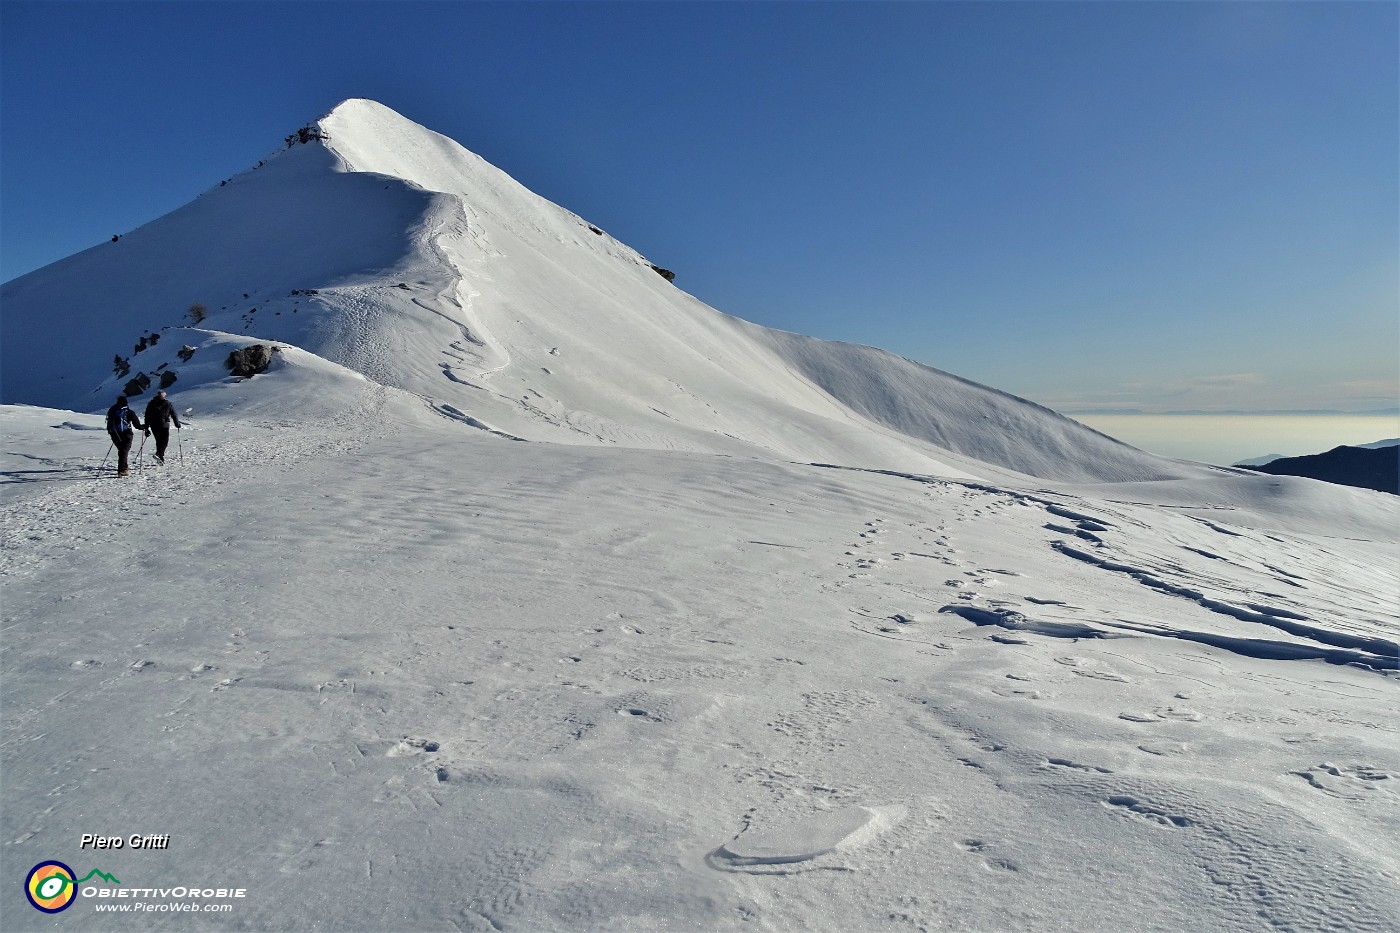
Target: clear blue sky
1156, 206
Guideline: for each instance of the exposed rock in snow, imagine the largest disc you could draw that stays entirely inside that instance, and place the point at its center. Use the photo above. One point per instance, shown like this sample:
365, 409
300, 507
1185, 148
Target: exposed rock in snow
249, 360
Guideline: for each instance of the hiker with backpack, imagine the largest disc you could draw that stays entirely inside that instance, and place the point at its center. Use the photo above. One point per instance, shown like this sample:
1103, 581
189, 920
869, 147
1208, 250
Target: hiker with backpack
158, 416
121, 427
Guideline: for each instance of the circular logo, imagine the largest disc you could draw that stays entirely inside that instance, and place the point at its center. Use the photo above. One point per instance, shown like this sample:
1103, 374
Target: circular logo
50, 887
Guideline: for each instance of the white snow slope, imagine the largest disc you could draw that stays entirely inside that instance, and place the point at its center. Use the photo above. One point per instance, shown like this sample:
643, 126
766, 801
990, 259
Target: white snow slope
436, 273
366, 658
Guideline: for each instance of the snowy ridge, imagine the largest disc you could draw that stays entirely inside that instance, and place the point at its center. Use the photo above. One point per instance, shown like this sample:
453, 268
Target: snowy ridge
962, 416
391, 250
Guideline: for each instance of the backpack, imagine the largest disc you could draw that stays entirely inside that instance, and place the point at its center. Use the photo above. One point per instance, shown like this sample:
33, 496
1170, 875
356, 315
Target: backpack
117, 419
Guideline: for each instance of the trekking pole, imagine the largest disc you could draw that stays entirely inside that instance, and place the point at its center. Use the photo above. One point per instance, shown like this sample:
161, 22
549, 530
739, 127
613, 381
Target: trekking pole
110, 447
180, 437
140, 451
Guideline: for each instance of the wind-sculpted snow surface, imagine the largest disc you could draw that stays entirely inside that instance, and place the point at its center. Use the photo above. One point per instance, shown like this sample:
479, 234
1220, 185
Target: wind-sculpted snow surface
390, 250
424, 677
965, 417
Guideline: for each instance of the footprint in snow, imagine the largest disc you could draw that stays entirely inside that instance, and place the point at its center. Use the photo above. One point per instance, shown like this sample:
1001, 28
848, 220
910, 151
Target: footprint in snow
1146, 811
1000, 864
411, 746
1164, 749
1348, 781
1067, 764
790, 842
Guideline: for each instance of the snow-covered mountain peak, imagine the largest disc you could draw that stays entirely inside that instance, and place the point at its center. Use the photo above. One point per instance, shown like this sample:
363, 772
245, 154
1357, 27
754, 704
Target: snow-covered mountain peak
363, 109
368, 137
394, 252
371, 137
368, 123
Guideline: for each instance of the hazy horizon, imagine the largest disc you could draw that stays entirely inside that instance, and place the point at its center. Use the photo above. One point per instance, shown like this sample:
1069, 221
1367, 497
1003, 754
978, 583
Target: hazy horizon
1225, 439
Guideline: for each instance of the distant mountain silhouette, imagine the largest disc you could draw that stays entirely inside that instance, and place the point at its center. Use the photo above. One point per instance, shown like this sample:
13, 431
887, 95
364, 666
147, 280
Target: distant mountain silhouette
1369, 468
1258, 461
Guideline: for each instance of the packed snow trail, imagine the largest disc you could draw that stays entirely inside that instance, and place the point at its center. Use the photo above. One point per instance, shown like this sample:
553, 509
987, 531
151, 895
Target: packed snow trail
420, 677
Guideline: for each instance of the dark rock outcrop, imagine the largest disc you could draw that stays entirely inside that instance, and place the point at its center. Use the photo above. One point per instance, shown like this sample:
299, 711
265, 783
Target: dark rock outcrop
1369, 468
305, 135
136, 385
249, 361
666, 274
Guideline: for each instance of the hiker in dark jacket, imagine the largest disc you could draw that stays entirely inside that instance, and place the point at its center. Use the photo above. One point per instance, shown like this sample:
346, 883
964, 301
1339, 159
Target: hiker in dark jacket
158, 416
121, 422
